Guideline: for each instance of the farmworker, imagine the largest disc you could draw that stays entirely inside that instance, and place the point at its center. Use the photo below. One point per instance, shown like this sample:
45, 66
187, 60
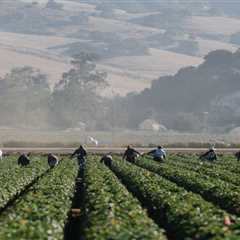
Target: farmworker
237, 155
81, 153
1, 154
210, 155
52, 160
130, 154
24, 160
158, 154
107, 160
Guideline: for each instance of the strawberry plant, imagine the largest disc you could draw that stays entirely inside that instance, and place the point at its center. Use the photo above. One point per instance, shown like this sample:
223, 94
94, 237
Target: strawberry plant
42, 212
15, 179
184, 213
111, 211
213, 171
212, 189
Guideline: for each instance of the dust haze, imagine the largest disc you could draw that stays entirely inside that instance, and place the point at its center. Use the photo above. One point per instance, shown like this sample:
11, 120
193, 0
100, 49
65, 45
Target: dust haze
141, 72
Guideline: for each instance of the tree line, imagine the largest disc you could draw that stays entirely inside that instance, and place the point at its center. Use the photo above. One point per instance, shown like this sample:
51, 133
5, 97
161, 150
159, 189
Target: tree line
28, 101
200, 98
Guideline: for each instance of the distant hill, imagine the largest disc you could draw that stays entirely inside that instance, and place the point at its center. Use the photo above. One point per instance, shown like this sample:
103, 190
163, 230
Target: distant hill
180, 101
137, 41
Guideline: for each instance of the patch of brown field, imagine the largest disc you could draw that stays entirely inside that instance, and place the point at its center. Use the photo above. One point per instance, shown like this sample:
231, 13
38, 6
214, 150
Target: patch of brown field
157, 63
206, 46
128, 29
32, 41
11, 59
216, 25
135, 73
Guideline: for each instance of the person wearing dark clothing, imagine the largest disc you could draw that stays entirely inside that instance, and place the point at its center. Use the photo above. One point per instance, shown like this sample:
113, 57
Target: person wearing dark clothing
23, 160
52, 160
107, 160
130, 154
237, 155
81, 153
210, 155
158, 154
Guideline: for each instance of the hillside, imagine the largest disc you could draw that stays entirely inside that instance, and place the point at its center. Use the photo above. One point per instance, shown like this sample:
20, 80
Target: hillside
195, 98
20, 50
135, 46
214, 25
31, 50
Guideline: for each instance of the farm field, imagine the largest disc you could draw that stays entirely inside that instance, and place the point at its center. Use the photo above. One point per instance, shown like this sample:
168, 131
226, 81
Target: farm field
217, 25
206, 46
150, 65
20, 50
182, 198
125, 73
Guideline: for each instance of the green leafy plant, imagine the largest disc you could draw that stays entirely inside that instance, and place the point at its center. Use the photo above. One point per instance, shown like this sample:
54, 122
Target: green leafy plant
184, 213
42, 212
111, 211
224, 194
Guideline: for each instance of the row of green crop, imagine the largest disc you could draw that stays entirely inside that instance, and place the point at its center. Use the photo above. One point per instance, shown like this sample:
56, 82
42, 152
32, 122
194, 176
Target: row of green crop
8, 162
42, 212
226, 159
14, 179
224, 162
224, 194
111, 211
203, 169
181, 212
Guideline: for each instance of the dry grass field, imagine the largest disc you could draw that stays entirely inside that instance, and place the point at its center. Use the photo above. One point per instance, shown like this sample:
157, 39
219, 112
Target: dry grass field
32, 41
125, 74
11, 59
17, 50
135, 73
129, 30
206, 46
217, 25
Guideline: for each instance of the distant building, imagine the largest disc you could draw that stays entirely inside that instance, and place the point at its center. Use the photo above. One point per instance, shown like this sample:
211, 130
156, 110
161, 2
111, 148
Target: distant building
152, 125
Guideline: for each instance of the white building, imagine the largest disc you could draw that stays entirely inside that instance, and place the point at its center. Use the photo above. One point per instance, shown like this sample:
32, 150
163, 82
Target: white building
152, 125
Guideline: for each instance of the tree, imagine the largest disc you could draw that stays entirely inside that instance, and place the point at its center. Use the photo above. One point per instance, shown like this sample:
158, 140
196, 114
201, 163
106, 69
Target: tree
24, 94
191, 92
75, 98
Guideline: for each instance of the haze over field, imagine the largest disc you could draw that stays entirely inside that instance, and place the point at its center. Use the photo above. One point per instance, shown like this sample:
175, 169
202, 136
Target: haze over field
81, 53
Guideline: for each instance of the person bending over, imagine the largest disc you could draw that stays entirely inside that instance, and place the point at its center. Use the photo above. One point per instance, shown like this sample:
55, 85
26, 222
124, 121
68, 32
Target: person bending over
131, 154
80, 153
158, 154
23, 160
52, 160
210, 155
107, 160
237, 155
